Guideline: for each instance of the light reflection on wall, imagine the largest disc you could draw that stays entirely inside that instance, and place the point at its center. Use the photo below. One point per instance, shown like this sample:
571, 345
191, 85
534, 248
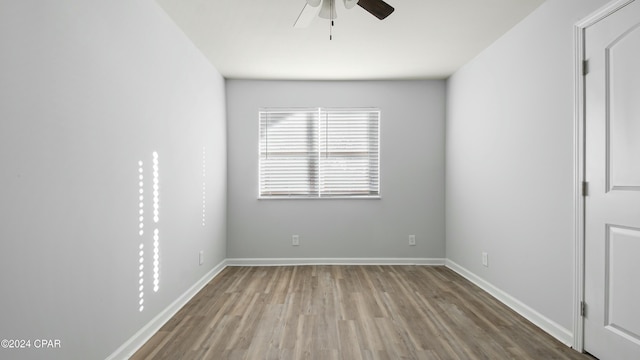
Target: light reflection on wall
156, 219
156, 189
156, 260
141, 233
140, 199
204, 174
141, 278
156, 230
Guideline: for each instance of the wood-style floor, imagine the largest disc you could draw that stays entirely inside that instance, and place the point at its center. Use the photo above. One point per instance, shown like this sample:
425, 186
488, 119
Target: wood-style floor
348, 312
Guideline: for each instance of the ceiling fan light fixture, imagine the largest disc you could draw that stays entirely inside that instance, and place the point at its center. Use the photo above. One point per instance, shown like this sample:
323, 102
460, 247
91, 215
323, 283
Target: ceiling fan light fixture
328, 10
349, 4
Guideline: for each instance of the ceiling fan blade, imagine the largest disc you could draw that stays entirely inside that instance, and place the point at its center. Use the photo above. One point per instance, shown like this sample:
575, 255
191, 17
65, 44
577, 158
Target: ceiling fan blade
377, 8
307, 15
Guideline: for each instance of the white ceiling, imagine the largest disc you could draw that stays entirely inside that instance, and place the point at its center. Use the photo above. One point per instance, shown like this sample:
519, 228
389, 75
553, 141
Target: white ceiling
422, 39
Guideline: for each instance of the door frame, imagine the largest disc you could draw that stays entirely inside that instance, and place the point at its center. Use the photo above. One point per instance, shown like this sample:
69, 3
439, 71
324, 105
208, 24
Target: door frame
579, 30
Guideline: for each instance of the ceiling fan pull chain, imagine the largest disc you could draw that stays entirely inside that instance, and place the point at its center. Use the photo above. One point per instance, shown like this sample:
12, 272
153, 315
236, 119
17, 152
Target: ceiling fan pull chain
331, 3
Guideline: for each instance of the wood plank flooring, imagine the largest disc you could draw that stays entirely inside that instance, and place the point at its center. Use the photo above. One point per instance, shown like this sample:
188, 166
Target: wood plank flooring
350, 313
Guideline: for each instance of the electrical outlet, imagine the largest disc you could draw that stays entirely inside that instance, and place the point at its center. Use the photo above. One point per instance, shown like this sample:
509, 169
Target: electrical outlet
201, 257
485, 259
295, 240
412, 240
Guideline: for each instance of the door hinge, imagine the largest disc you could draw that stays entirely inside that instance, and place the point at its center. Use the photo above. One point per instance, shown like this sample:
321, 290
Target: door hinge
585, 188
585, 67
583, 309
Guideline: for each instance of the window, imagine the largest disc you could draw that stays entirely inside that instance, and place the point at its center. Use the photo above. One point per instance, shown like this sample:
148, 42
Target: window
319, 153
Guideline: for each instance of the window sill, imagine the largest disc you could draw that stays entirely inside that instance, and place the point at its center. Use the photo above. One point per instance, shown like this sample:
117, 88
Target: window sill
320, 198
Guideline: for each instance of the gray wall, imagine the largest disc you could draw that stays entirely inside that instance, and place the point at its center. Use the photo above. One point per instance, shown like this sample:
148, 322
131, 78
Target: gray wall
412, 176
87, 89
510, 161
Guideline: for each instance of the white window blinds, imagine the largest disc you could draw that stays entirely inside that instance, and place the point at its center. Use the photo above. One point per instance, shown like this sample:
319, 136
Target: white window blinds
319, 153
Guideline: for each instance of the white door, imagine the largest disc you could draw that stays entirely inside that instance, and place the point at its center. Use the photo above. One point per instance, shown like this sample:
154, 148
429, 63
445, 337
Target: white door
612, 207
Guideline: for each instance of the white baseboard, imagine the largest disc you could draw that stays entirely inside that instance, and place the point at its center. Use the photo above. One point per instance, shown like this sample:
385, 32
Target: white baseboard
332, 261
126, 350
547, 325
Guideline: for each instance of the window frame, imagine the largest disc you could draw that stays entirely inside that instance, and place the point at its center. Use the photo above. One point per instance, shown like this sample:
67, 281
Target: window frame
315, 191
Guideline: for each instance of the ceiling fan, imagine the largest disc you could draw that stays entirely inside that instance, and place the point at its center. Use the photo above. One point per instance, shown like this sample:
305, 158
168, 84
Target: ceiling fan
326, 9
